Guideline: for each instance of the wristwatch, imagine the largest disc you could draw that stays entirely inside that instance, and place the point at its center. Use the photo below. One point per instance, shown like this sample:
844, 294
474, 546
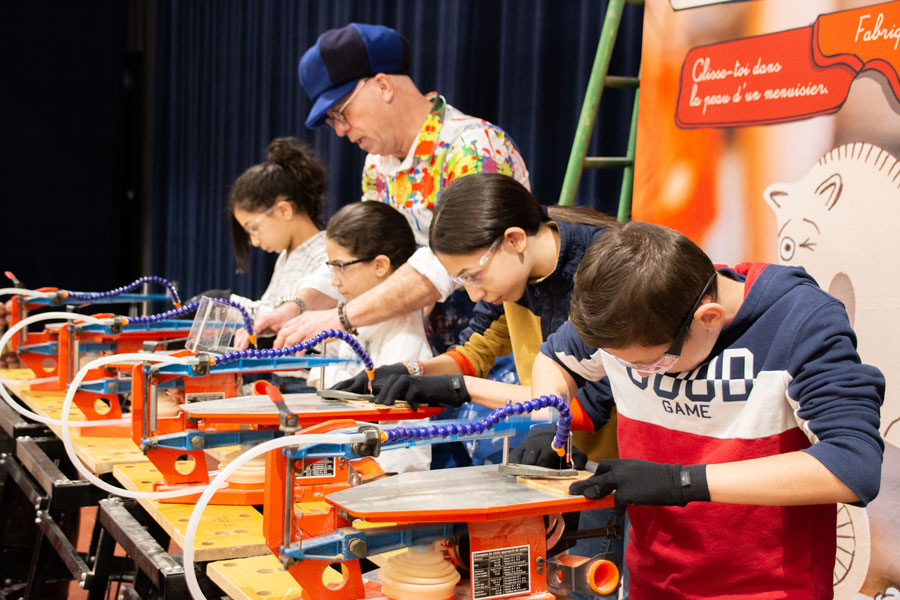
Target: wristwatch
295, 300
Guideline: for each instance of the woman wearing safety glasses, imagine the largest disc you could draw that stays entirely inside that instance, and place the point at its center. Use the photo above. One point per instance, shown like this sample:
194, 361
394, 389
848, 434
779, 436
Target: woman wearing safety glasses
516, 260
744, 414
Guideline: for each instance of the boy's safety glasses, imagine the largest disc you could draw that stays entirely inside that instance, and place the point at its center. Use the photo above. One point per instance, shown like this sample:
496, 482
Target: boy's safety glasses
673, 353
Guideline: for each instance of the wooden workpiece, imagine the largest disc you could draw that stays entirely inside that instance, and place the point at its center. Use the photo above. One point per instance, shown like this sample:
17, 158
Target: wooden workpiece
555, 485
99, 454
224, 532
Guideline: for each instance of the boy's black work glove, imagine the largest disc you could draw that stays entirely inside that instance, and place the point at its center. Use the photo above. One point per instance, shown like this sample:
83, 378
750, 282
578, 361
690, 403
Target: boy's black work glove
645, 483
535, 450
424, 391
359, 383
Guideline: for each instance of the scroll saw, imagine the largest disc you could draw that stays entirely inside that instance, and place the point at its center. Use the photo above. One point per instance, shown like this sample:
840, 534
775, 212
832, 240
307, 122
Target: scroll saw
174, 436
489, 525
498, 517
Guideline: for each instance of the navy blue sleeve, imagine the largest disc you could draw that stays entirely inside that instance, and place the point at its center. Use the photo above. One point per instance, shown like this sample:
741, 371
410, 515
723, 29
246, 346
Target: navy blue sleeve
584, 364
838, 400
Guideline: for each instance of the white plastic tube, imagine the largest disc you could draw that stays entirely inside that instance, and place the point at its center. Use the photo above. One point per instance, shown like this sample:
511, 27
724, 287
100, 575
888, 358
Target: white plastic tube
26, 293
5, 340
220, 480
125, 420
67, 438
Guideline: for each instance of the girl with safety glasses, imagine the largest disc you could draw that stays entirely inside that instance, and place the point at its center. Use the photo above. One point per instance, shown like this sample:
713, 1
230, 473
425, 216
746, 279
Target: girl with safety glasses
365, 243
276, 206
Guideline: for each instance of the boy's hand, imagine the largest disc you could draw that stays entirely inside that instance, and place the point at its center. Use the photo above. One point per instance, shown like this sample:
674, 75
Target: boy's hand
359, 383
535, 450
645, 483
424, 391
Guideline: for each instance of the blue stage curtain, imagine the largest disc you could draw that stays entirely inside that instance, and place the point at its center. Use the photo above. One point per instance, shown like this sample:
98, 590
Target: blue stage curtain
226, 83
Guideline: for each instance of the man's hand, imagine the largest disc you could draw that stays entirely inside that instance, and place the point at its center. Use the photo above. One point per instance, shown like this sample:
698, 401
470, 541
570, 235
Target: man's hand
359, 383
424, 391
645, 483
536, 450
301, 328
241, 339
275, 319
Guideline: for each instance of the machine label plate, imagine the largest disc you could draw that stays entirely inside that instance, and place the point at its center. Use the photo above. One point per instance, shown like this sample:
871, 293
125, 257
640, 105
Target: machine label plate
323, 468
204, 396
501, 572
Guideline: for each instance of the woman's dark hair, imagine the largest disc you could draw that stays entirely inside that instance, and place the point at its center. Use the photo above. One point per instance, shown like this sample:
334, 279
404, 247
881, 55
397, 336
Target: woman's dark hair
372, 228
291, 170
636, 284
475, 210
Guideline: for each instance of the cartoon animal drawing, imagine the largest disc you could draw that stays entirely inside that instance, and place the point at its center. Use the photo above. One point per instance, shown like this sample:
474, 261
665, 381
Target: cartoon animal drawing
839, 222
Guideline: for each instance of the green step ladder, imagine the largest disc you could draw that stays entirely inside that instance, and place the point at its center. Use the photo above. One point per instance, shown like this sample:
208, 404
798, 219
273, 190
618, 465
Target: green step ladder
599, 80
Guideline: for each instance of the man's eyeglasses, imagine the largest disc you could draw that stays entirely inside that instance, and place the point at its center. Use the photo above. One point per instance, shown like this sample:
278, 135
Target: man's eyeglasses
475, 278
337, 116
673, 353
252, 226
339, 266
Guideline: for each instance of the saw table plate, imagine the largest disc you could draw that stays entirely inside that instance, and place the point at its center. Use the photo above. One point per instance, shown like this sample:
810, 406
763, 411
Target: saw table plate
308, 407
467, 494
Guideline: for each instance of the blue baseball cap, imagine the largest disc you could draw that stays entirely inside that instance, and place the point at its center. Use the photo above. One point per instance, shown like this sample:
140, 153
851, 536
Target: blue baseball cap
341, 57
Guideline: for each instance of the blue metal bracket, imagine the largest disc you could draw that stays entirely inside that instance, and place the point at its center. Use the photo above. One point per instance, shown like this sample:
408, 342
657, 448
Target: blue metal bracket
45, 349
158, 326
252, 365
195, 439
107, 385
120, 299
349, 543
507, 428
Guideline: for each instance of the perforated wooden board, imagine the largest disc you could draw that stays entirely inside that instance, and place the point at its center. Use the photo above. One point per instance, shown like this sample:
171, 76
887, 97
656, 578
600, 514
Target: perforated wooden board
99, 454
255, 578
557, 486
17, 374
224, 532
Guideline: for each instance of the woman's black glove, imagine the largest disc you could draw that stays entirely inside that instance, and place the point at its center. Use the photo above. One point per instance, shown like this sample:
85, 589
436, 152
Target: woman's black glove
645, 483
424, 391
535, 450
359, 383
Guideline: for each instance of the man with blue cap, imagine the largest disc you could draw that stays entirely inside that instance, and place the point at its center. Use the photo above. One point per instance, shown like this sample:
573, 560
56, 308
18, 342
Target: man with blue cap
358, 79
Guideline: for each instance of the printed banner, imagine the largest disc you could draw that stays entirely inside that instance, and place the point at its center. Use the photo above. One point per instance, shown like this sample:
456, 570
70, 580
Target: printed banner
769, 130
788, 75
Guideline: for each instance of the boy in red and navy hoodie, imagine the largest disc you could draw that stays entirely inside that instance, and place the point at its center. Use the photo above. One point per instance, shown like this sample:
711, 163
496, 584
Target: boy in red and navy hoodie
745, 415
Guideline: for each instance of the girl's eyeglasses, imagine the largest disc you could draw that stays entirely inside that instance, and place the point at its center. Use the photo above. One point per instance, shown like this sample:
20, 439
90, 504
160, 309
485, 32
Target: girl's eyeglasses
475, 278
339, 266
673, 353
252, 226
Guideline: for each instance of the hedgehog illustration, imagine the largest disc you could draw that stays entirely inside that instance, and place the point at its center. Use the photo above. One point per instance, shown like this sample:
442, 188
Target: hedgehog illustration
838, 222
